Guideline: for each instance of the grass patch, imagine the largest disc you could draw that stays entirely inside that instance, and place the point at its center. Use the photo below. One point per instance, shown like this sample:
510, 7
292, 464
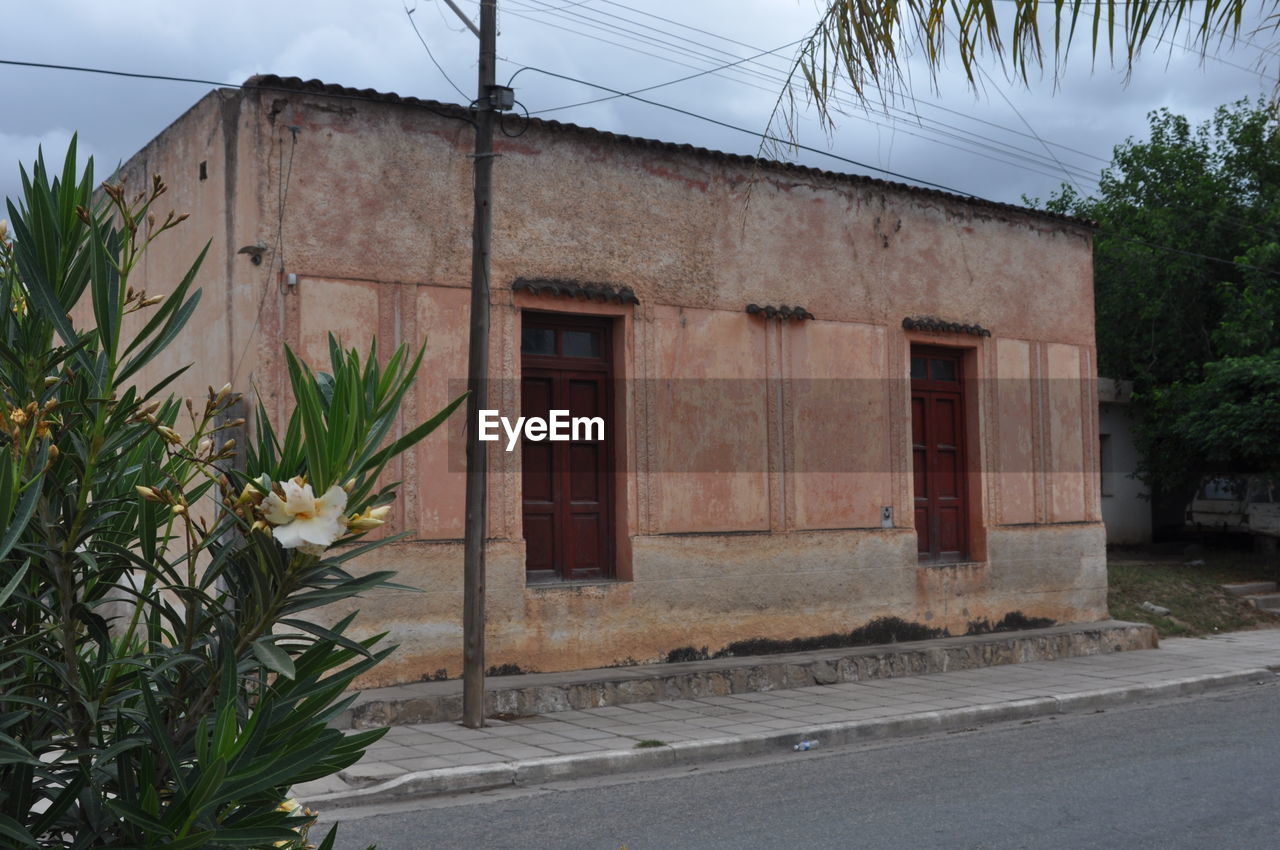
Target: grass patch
1191, 591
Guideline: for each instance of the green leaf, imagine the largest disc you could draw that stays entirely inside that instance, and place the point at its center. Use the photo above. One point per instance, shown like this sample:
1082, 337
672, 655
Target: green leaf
9, 588
14, 831
273, 657
17, 523
256, 836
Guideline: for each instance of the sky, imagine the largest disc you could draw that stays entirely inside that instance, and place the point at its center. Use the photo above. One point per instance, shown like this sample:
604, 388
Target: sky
1003, 142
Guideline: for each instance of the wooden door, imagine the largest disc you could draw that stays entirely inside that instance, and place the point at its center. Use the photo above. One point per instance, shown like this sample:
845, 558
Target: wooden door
567, 486
937, 448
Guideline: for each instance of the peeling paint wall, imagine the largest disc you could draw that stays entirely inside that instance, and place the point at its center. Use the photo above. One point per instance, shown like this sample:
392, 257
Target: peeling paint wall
756, 455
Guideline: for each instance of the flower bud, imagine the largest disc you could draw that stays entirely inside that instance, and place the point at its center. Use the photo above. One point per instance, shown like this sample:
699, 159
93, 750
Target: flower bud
169, 434
148, 494
370, 519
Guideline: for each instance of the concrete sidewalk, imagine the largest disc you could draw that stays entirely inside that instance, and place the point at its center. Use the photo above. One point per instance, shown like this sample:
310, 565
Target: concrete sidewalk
439, 758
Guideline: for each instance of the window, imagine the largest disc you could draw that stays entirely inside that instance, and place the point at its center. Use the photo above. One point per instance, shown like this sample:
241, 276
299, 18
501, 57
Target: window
1105, 463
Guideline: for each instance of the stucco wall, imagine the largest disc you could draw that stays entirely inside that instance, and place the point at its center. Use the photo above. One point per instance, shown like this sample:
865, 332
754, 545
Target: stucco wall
756, 455
199, 159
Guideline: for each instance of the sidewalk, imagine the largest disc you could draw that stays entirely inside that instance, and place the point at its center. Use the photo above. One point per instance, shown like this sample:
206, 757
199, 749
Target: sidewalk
439, 758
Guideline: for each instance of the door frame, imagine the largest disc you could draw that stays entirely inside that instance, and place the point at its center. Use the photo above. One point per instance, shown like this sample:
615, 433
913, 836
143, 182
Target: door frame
605, 364
968, 361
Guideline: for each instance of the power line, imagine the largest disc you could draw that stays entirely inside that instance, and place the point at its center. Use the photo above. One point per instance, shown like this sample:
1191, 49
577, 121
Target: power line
999, 151
165, 77
891, 113
664, 38
660, 85
756, 133
51, 66
409, 14
631, 47
969, 141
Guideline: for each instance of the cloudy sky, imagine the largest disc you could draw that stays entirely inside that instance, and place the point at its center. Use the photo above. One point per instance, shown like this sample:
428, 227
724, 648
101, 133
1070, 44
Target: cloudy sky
1003, 142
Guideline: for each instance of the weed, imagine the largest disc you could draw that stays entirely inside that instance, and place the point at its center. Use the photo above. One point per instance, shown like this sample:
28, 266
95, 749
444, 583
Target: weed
648, 743
878, 631
687, 653
1014, 621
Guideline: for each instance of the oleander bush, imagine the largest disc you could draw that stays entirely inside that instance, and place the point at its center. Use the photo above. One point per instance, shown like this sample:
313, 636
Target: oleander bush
161, 681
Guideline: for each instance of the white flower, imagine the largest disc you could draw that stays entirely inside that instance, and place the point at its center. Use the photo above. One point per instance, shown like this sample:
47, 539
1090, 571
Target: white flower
302, 521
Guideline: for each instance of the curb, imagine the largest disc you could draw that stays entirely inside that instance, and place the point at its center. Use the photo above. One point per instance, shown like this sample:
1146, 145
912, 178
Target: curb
532, 771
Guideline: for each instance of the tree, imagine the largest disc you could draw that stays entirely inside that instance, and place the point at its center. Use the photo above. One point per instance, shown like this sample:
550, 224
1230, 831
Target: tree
161, 682
863, 43
1187, 291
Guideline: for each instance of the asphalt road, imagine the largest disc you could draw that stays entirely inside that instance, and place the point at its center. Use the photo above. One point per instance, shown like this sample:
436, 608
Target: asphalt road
1196, 772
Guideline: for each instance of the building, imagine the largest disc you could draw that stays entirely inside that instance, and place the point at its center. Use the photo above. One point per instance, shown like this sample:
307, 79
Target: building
828, 398
1126, 503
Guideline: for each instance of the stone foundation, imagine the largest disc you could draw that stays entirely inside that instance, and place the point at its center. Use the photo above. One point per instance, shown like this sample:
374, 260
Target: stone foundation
542, 693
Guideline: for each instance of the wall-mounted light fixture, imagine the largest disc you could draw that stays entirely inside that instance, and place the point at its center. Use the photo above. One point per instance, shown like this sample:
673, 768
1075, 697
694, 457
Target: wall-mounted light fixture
255, 252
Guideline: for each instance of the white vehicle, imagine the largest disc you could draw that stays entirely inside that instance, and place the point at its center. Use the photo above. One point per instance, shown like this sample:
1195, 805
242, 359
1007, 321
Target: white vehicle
1246, 504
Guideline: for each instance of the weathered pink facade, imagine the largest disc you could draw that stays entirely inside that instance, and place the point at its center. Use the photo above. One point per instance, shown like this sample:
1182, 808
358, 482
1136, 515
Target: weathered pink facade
750, 509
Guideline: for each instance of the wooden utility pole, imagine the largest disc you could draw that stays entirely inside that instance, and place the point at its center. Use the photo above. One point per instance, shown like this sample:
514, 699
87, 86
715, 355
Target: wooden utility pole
478, 382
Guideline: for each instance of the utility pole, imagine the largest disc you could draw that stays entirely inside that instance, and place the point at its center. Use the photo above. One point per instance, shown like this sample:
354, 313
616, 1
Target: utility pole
486, 103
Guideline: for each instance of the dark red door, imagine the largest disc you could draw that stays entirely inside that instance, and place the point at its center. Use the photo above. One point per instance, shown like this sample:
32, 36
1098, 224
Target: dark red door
568, 516
937, 448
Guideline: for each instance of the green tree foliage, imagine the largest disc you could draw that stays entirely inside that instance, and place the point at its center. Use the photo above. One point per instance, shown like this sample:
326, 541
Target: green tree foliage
161, 682
1187, 289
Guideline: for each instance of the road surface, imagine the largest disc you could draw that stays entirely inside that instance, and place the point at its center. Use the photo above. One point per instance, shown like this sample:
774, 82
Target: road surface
1194, 772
